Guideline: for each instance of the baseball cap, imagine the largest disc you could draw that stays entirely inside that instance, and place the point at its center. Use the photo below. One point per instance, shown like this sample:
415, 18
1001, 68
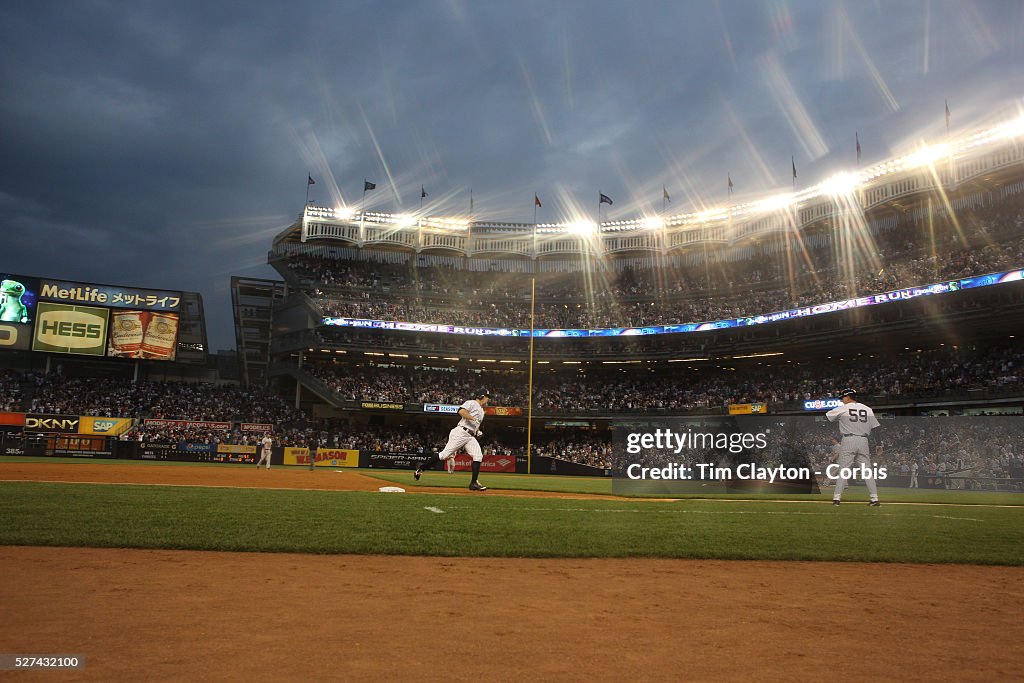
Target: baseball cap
848, 391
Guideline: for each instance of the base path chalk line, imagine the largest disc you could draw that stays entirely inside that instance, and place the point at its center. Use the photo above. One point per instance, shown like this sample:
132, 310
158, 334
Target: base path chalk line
722, 512
436, 511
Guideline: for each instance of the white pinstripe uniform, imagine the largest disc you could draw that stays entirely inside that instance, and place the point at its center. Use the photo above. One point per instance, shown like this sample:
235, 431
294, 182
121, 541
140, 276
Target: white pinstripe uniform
856, 421
268, 443
463, 435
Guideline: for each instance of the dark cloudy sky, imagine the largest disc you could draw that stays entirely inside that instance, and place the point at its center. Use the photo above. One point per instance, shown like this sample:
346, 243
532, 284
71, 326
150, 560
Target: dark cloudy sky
163, 144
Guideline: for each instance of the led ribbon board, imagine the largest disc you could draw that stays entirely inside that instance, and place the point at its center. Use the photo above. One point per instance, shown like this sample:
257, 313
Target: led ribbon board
791, 314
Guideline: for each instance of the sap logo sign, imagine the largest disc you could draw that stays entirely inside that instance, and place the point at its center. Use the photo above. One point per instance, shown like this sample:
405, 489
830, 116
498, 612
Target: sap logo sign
103, 426
8, 335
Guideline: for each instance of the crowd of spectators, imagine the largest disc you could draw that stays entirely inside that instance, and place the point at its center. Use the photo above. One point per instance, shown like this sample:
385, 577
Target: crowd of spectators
940, 447
405, 385
594, 449
685, 387
197, 401
962, 451
10, 391
767, 280
604, 311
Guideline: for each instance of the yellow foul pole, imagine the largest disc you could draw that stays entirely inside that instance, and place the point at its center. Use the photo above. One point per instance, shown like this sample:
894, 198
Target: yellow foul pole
529, 395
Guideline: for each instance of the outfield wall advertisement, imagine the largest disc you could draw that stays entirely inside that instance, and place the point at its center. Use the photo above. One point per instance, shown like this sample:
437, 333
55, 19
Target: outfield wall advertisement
12, 419
104, 426
463, 463
503, 411
748, 408
322, 457
381, 405
52, 424
491, 463
296, 456
336, 457
500, 411
186, 424
393, 461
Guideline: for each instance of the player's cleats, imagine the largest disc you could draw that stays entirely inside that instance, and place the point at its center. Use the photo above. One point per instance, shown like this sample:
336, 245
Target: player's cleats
417, 474
477, 486
874, 504
835, 502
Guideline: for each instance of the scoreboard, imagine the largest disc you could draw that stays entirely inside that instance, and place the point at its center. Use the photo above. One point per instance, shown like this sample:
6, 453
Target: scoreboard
86, 319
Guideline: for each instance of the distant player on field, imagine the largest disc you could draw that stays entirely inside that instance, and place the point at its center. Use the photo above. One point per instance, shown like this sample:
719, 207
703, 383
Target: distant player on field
463, 437
268, 444
856, 421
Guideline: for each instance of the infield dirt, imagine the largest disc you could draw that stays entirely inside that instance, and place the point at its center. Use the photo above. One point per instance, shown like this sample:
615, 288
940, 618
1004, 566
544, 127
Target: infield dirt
241, 476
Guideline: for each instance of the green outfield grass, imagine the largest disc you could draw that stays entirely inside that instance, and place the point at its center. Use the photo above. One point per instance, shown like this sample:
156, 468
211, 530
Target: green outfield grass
603, 486
486, 525
580, 485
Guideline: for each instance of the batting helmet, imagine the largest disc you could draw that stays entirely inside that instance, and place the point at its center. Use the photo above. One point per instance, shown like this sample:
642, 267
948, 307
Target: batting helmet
482, 391
848, 391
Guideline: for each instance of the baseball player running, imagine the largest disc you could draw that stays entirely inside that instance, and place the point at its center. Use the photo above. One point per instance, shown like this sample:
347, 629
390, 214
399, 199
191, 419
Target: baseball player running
463, 437
856, 421
268, 443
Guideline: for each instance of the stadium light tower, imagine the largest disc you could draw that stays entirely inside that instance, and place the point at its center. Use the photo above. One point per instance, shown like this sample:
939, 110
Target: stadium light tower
1012, 129
841, 184
581, 227
776, 203
927, 155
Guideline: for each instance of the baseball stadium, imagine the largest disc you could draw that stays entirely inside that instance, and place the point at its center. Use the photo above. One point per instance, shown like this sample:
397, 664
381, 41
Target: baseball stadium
209, 551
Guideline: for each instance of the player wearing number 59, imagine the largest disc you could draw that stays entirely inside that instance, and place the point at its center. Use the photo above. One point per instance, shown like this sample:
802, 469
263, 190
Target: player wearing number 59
856, 421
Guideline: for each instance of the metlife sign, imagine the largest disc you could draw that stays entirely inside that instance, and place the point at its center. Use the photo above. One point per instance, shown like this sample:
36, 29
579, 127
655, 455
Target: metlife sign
110, 295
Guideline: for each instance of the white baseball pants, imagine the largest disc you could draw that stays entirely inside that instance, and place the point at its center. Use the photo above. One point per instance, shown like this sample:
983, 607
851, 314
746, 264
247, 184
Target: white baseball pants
854, 451
459, 439
265, 456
